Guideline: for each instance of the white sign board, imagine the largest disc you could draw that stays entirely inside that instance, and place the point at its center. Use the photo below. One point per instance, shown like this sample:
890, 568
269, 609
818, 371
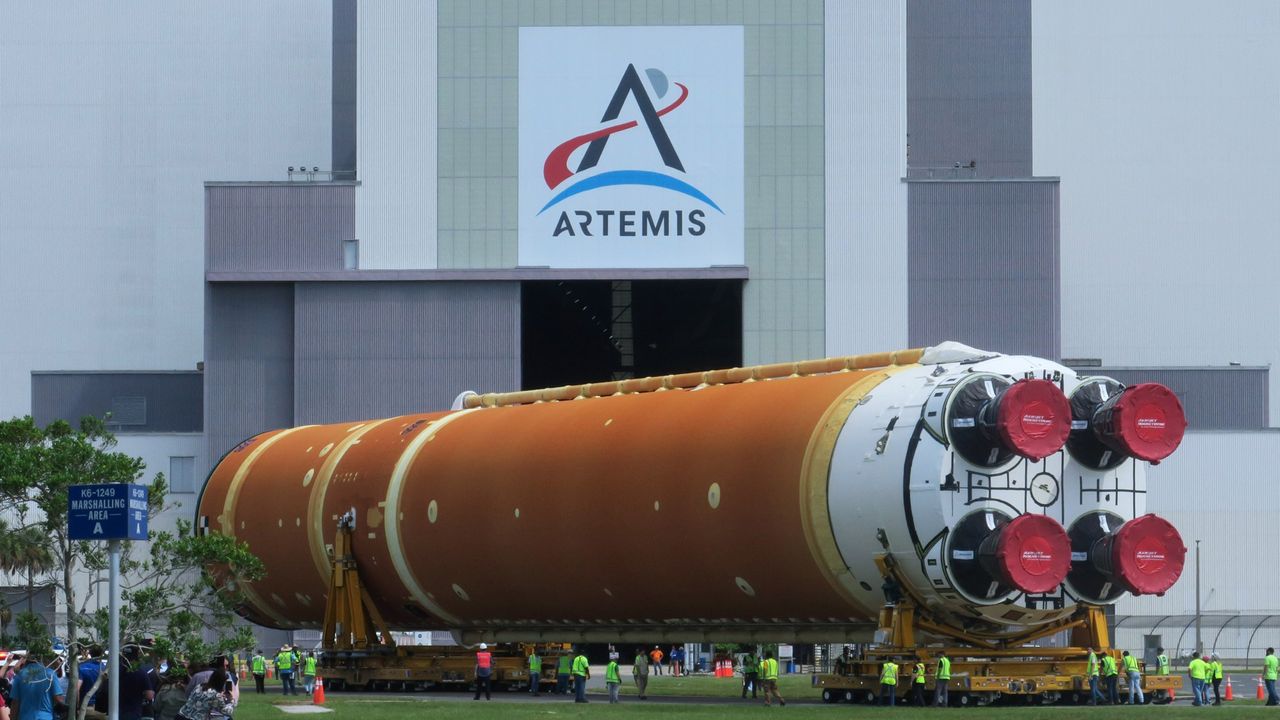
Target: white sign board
631, 147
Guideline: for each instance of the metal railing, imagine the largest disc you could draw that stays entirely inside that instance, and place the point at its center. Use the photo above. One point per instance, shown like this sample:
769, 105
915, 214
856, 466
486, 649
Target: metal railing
315, 174
956, 171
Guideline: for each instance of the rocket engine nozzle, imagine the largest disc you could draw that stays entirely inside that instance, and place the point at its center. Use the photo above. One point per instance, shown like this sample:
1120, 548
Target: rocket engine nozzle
1032, 553
992, 555
992, 419
1144, 556
1145, 421
1031, 417
1111, 422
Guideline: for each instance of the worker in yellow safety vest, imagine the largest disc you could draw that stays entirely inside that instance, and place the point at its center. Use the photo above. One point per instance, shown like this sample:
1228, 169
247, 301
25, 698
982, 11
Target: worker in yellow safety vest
284, 668
1269, 670
1162, 662
1198, 669
1215, 678
1095, 694
769, 679
563, 666
259, 666
581, 671
535, 672
889, 683
917, 683
1135, 678
1112, 677
612, 680
309, 673
942, 676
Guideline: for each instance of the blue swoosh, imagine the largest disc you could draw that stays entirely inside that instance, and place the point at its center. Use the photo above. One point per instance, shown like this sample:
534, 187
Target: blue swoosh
631, 177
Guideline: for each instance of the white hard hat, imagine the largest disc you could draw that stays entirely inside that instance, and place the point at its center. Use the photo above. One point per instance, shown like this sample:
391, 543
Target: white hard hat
484, 646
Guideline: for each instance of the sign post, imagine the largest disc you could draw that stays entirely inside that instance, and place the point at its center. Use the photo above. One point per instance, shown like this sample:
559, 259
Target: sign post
111, 512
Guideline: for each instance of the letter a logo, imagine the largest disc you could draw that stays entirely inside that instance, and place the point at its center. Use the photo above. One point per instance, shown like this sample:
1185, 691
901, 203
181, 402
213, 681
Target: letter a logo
631, 85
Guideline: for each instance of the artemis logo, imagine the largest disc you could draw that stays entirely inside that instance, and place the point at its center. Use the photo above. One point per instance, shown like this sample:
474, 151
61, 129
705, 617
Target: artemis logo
630, 146
556, 168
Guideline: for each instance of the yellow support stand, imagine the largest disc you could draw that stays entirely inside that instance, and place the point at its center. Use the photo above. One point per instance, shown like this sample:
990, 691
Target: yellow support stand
985, 665
351, 620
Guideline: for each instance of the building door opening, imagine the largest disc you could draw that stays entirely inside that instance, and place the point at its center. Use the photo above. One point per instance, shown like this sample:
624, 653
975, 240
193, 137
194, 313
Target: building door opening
598, 330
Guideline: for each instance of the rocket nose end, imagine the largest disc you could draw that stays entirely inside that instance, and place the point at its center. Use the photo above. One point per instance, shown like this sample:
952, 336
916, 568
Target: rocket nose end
1147, 555
1034, 553
1033, 418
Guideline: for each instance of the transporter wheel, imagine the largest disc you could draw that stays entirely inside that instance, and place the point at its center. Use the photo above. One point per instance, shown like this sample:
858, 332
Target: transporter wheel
965, 700
870, 697
828, 696
848, 696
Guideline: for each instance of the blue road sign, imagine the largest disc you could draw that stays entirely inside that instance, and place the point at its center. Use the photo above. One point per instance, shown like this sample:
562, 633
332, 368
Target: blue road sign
116, 511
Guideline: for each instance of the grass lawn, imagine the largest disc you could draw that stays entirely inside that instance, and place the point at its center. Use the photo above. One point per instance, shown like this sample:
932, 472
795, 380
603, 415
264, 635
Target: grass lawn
446, 705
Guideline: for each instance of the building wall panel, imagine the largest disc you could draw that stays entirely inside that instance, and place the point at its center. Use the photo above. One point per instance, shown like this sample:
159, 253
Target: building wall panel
396, 119
345, 87
865, 263
1213, 398
371, 350
248, 368
277, 227
969, 87
783, 303
173, 401
112, 116
983, 265
1219, 488
1158, 119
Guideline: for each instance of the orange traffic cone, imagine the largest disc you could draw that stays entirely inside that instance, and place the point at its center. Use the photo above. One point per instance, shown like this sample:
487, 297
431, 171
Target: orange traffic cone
317, 697
1230, 695
1261, 696
270, 673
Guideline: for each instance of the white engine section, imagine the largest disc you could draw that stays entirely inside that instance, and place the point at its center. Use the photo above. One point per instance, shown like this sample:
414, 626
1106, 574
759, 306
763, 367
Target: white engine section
899, 482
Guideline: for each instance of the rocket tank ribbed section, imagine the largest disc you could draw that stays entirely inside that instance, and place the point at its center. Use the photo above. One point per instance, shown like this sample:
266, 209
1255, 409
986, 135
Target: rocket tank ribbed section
738, 503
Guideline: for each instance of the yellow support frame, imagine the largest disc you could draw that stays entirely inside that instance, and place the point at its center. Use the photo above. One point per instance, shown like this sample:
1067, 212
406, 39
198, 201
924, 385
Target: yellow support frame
351, 620
984, 663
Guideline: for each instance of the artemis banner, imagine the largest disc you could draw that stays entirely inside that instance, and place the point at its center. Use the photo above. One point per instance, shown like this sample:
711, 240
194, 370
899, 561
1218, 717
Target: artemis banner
631, 147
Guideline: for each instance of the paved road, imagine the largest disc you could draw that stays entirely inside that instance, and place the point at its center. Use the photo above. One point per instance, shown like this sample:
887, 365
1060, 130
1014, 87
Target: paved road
524, 697
595, 693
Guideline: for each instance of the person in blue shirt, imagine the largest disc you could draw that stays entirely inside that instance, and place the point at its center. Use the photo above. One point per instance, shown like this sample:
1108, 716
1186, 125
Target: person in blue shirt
35, 692
89, 671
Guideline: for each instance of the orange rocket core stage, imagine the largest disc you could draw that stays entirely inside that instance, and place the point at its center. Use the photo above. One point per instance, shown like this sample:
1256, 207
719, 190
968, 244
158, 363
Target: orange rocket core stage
704, 501
702, 505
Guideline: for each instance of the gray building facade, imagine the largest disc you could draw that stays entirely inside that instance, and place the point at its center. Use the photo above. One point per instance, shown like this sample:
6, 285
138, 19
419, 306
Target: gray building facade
983, 234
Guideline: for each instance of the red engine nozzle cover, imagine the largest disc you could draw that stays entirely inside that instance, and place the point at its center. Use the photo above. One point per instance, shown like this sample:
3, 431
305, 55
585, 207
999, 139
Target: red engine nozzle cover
1147, 555
1147, 422
1034, 418
1034, 553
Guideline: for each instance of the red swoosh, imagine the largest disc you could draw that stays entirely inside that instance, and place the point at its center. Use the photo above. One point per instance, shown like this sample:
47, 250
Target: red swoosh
556, 168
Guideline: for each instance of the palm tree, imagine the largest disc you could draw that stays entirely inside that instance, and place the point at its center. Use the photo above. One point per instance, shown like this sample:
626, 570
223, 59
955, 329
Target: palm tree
27, 551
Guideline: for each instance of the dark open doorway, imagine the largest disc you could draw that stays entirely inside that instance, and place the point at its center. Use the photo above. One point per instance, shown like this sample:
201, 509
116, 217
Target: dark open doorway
592, 331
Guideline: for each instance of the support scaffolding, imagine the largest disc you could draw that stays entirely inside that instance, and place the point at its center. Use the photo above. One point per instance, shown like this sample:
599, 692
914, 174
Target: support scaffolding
986, 667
